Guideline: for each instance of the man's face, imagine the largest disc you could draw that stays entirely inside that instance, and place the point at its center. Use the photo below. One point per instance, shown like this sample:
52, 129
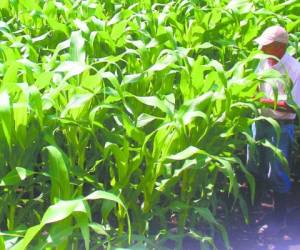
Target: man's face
274, 48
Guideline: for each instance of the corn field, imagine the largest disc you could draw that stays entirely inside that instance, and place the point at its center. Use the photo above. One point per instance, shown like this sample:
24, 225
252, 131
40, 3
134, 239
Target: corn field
117, 116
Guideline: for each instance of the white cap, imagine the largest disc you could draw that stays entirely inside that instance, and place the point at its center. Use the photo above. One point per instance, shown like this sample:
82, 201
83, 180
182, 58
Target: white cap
273, 34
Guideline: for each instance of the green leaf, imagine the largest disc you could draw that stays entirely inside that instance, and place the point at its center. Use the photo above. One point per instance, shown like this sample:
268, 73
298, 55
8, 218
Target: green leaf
59, 174
99, 229
77, 101
108, 196
43, 80
104, 195
77, 50
6, 118
2, 242
278, 153
187, 153
15, 176
153, 101
206, 214
20, 111
162, 63
81, 25
118, 30
28, 237
62, 210
4, 4
71, 68
58, 26
10, 78
83, 221
144, 119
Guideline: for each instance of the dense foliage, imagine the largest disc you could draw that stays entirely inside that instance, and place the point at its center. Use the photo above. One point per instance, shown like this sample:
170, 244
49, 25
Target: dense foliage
117, 116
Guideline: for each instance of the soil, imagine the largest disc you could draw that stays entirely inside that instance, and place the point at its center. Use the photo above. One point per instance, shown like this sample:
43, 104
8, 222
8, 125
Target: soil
248, 237
244, 236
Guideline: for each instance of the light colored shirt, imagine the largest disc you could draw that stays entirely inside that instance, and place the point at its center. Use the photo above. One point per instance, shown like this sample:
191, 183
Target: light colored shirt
287, 65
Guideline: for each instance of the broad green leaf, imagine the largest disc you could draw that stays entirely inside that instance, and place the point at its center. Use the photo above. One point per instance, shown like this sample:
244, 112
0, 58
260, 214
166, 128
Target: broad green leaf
118, 29
62, 210
6, 117
10, 78
77, 101
58, 26
15, 176
59, 174
240, 6
145, 119
153, 101
83, 221
71, 68
81, 25
99, 229
28, 237
43, 80
279, 154
56, 236
77, 50
2, 242
4, 4
162, 63
187, 153
20, 111
206, 214
108, 196
104, 195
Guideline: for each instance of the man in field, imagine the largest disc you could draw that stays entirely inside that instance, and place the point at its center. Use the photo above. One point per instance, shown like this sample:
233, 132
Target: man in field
263, 163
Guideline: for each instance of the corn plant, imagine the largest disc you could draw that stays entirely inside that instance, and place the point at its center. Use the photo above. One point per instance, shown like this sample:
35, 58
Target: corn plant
143, 105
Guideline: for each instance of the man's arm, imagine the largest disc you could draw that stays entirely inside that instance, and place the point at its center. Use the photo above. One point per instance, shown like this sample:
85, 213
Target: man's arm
281, 105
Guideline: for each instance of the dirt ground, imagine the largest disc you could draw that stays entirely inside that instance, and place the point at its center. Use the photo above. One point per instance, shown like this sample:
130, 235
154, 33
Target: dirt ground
247, 237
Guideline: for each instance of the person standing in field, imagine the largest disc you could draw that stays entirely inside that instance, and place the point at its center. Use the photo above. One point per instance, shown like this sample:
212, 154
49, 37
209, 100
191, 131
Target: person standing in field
262, 162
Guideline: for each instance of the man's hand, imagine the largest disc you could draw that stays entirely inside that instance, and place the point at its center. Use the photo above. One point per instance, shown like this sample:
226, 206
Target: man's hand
281, 105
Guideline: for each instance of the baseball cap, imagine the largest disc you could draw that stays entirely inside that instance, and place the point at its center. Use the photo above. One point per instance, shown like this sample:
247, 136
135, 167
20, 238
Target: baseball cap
273, 34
